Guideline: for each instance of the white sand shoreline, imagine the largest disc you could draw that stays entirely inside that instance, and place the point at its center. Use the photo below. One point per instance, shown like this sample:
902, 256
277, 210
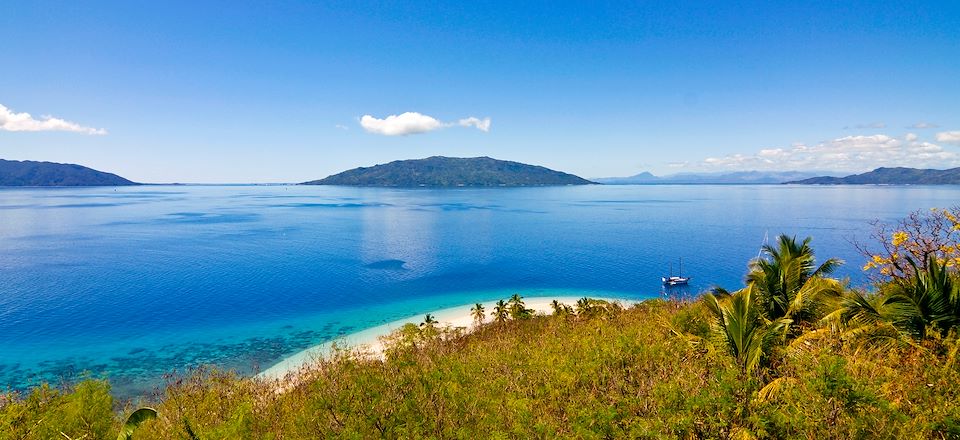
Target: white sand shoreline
368, 340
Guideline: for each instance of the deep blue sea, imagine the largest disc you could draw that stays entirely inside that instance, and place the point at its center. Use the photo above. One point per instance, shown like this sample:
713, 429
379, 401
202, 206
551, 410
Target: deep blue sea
135, 282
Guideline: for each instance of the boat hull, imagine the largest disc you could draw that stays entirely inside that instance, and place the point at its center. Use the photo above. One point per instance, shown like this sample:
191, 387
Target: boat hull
675, 281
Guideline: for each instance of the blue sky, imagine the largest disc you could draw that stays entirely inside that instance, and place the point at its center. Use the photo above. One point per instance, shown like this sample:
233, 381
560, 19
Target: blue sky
277, 91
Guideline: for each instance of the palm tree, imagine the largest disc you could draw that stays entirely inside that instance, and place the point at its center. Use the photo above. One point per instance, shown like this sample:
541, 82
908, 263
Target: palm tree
927, 301
518, 310
500, 312
788, 284
859, 309
861, 316
741, 328
478, 313
904, 310
583, 306
428, 321
557, 307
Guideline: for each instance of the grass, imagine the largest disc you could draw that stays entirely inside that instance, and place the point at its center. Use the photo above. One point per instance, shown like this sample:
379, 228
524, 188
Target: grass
646, 371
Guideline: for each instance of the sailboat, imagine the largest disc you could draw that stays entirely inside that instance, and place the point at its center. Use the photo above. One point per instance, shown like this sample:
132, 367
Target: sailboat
675, 280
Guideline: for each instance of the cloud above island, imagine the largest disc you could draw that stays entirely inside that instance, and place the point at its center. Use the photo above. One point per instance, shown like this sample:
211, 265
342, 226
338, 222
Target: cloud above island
11, 121
849, 153
415, 123
480, 124
949, 137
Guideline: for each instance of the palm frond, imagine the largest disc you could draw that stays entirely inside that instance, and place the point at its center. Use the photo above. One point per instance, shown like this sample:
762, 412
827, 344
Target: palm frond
790, 286
828, 267
134, 421
775, 389
809, 337
739, 327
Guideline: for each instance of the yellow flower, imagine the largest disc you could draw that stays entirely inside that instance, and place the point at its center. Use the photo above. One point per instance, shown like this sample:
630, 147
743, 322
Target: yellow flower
899, 238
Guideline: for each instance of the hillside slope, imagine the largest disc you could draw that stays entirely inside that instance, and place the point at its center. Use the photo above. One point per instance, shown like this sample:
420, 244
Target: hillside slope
890, 176
439, 171
624, 374
31, 173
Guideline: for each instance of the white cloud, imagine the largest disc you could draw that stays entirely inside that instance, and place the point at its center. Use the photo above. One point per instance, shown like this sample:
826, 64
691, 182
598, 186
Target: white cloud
850, 153
413, 123
480, 124
402, 124
922, 125
949, 137
10, 121
341, 126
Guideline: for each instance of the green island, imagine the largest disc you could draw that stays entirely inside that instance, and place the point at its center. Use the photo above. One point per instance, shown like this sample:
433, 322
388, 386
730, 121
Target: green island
794, 353
440, 171
890, 176
34, 173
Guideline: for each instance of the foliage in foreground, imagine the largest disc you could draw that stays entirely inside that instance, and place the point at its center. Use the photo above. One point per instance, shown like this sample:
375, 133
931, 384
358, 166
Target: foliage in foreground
616, 374
791, 355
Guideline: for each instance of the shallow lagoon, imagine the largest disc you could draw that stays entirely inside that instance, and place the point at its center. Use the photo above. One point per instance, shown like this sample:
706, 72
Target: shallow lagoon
135, 282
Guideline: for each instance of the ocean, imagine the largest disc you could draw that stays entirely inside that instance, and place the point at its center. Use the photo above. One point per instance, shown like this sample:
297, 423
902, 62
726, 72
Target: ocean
133, 283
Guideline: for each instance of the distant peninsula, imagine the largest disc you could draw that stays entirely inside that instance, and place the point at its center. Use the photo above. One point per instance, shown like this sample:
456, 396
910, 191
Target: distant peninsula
30, 173
890, 176
439, 171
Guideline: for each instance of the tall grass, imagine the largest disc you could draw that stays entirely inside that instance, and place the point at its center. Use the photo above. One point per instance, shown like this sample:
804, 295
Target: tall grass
623, 373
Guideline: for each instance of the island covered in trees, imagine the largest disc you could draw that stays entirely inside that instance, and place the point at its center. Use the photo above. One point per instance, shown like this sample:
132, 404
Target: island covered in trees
439, 171
31, 173
890, 176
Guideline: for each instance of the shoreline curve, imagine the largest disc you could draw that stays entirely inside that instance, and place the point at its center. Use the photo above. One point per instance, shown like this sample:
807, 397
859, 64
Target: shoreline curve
368, 340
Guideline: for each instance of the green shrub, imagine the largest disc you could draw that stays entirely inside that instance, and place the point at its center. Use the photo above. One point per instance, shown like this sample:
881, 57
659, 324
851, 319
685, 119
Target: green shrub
81, 411
623, 374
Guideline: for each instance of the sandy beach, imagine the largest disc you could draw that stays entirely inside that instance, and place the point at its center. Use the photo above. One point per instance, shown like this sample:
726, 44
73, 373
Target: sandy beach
368, 341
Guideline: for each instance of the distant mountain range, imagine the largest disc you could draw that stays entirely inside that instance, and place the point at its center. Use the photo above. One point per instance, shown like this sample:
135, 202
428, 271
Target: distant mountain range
728, 178
439, 171
30, 173
890, 176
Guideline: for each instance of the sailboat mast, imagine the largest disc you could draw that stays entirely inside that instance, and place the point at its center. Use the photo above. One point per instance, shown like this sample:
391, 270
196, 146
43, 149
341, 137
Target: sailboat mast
765, 236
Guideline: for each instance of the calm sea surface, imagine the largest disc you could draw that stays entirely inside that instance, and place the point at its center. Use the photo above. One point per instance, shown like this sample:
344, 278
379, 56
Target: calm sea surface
134, 282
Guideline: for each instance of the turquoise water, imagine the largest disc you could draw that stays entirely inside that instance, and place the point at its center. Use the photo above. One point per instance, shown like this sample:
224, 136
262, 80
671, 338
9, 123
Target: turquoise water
135, 282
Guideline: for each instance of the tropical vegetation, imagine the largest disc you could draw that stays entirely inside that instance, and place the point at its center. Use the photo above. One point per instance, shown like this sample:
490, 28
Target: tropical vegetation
794, 353
890, 176
439, 171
